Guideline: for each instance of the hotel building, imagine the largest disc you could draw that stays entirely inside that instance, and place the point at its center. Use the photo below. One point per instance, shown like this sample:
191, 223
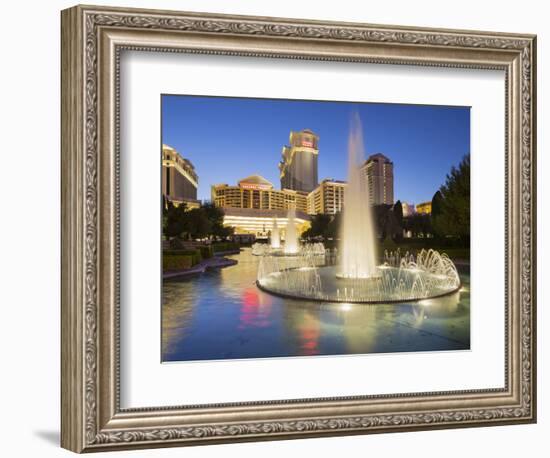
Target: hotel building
179, 179
255, 192
298, 167
261, 222
424, 208
408, 209
327, 198
252, 204
378, 170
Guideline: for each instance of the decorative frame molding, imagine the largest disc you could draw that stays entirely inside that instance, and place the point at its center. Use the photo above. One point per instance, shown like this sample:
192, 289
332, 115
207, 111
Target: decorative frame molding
92, 40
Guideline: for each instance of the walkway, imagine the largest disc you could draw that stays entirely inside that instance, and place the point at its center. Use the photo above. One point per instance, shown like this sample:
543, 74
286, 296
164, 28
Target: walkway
214, 262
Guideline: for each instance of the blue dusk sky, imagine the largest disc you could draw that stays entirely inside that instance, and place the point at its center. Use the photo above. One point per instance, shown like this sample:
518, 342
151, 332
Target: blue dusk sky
227, 139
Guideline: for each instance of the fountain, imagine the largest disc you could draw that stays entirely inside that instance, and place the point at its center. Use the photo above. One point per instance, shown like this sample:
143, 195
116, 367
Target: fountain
357, 239
275, 237
292, 246
351, 273
291, 234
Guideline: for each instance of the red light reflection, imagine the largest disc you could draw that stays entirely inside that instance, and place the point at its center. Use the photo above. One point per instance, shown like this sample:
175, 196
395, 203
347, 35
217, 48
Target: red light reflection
309, 333
255, 309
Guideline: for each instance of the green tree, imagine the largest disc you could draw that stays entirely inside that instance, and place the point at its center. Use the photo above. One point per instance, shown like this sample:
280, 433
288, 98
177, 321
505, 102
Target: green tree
176, 221
215, 215
333, 228
319, 226
398, 212
199, 225
426, 225
397, 220
452, 216
223, 231
418, 224
165, 203
436, 212
382, 214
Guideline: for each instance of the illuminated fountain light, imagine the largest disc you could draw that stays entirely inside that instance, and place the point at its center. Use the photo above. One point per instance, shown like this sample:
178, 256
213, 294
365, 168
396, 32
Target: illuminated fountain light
259, 249
275, 241
265, 249
292, 244
306, 276
357, 239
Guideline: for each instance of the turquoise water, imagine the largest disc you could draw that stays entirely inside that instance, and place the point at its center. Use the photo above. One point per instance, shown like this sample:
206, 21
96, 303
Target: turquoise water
221, 314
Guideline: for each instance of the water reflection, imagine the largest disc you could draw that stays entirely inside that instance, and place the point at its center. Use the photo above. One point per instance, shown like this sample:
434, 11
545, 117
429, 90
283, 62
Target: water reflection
255, 309
221, 314
177, 314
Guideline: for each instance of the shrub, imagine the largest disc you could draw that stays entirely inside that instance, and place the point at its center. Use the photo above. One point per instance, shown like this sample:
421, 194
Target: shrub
197, 257
175, 243
180, 259
180, 252
177, 262
457, 253
388, 244
225, 246
206, 251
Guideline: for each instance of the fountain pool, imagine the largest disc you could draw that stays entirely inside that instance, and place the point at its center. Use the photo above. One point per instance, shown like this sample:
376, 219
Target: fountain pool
428, 275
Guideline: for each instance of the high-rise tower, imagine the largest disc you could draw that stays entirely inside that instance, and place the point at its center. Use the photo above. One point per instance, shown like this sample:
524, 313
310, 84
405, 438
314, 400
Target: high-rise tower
298, 167
378, 170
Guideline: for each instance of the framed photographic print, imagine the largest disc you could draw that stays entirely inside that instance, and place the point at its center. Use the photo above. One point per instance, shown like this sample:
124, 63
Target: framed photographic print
280, 228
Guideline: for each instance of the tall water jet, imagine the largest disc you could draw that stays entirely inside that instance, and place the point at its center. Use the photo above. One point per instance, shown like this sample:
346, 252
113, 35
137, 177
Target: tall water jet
357, 238
275, 236
291, 234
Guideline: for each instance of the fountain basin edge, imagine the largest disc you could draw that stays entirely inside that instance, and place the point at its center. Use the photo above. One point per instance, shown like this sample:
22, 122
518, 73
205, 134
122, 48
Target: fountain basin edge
350, 301
412, 285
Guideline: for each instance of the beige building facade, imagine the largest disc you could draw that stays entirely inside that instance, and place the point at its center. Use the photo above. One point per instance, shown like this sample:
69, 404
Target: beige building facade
424, 208
252, 206
260, 223
179, 179
408, 209
378, 171
255, 192
327, 198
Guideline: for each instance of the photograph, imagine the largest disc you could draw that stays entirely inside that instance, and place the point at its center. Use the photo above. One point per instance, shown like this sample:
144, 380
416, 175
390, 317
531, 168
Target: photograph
300, 228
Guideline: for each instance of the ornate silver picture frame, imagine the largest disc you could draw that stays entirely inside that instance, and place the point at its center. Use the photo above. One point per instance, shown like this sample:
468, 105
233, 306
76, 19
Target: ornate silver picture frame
93, 39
